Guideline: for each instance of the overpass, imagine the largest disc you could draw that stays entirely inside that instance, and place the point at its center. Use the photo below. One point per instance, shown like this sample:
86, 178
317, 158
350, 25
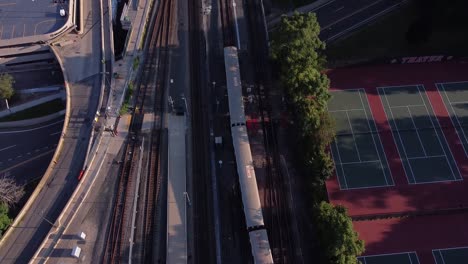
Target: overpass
81, 65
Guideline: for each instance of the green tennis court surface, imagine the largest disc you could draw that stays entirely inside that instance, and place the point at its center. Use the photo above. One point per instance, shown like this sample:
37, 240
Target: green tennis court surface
398, 258
360, 160
451, 256
455, 97
422, 146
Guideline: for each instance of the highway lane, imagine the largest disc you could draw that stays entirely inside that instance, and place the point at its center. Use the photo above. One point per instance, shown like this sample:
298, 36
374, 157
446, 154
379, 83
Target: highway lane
81, 61
339, 22
338, 18
20, 145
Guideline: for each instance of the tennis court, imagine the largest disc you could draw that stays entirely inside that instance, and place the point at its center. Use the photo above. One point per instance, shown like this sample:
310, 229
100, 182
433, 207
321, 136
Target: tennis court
400, 258
451, 255
360, 160
455, 97
420, 141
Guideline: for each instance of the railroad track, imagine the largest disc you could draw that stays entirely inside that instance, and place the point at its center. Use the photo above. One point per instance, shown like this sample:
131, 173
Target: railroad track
148, 99
203, 247
227, 22
277, 214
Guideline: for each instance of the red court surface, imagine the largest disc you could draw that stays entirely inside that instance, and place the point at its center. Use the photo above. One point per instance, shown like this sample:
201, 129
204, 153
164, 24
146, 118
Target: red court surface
421, 234
403, 197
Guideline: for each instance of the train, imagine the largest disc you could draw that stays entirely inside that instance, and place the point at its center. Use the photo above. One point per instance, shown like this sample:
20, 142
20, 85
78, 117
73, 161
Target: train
252, 207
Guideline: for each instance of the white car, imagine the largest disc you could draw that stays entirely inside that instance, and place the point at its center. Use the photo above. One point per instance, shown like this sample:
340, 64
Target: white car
62, 12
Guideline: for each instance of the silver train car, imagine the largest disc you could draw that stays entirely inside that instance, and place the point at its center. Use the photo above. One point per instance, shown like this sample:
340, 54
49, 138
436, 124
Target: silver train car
258, 236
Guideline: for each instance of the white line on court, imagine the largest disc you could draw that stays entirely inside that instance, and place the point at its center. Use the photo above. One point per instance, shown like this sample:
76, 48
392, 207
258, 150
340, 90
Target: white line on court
373, 139
345, 110
354, 138
437, 133
55, 133
417, 132
32, 129
7, 148
427, 157
339, 9
442, 87
359, 162
404, 106
399, 136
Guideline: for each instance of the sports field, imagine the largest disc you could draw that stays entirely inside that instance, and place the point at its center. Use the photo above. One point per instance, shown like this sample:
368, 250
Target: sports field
451, 255
421, 143
358, 152
400, 258
455, 97
401, 159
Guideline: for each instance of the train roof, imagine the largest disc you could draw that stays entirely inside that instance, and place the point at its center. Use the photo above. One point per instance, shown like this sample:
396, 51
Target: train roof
261, 251
247, 179
234, 86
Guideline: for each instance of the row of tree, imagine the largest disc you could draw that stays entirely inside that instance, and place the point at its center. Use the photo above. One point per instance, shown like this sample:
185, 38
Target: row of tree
298, 53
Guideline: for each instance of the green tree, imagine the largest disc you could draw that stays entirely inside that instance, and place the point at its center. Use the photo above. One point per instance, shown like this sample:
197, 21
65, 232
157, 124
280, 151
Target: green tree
5, 221
6, 86
339, 241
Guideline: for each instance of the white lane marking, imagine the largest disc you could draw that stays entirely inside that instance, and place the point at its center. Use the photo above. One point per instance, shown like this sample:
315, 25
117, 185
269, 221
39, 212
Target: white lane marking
55, 133
351, 14
318, 7
362, 22
339, 8
32, 129
7, 148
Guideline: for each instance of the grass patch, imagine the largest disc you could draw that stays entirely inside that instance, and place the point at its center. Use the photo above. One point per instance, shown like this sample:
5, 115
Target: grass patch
128, 94
41, 110
136, 62
387, 38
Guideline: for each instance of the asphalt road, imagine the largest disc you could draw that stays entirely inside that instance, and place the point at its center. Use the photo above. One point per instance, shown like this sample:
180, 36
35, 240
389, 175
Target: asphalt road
21, 18
82, 61
338, 18
20, 146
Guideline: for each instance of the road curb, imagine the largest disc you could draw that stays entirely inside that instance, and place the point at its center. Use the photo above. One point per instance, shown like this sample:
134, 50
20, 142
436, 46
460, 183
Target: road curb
50, 168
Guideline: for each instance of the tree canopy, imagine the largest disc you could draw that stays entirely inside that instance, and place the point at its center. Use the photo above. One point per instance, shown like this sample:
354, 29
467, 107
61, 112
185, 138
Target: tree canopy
5, 221
298, 50
6, 86
336, 233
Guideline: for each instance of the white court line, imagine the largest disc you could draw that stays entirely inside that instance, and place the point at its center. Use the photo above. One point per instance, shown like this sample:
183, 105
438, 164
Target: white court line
434, 252
409, 257
458, 102
399, 136
32, 129
56, 133
453, 82
437, 133
417, 132
427, 157
344, 110
398, 86
354, 138
404, 106
359, 162
390, 254
441, 87
342, 169
373, 139
451, 248
7, 148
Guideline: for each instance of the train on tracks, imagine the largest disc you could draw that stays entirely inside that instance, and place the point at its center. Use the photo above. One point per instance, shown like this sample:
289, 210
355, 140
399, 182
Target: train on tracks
258, 236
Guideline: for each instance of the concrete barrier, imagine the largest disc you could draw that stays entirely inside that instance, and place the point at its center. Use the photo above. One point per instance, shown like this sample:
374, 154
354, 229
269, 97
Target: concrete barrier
32, 121
27, 105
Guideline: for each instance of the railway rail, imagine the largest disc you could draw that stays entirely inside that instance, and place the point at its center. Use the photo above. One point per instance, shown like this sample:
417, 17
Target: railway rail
148, 100
277, 214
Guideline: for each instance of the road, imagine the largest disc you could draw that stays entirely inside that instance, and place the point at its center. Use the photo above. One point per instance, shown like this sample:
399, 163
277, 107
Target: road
81, 61
340, 17
20, 146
